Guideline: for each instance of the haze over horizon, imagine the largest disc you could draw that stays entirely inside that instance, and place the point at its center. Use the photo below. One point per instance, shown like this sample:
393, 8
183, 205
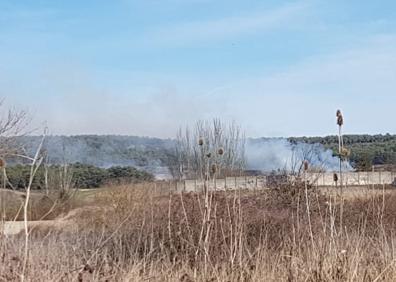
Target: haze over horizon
38, 133
145, 68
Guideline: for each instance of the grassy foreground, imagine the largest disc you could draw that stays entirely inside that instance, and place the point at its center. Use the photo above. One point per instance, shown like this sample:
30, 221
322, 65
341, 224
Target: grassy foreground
143, 232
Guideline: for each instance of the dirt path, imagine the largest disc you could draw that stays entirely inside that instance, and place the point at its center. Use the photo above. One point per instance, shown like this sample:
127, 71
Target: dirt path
63, 223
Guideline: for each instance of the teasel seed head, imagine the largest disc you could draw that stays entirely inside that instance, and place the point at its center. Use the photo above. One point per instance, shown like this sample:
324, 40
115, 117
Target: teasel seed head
2, 163
306, 165
345, 152
340, 118
214, 168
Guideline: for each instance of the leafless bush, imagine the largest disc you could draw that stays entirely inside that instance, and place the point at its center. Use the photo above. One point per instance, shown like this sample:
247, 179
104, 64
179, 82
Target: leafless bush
222, 143
13, 123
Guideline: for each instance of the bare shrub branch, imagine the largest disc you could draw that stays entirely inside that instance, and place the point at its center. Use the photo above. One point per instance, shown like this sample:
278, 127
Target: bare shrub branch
222, 143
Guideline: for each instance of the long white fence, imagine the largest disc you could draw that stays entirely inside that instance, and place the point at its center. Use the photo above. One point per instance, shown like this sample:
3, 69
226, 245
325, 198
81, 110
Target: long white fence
248, 182
353, 178
317, 179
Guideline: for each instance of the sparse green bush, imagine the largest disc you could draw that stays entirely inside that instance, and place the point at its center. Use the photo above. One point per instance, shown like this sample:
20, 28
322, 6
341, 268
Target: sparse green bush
83, 176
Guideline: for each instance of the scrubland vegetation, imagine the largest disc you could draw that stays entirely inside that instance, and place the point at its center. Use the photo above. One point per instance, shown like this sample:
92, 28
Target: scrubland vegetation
147, 231
144, 232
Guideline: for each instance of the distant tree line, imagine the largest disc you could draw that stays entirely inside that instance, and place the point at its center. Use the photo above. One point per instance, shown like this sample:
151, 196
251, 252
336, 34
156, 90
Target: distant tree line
81, 176
366, 150
103, 150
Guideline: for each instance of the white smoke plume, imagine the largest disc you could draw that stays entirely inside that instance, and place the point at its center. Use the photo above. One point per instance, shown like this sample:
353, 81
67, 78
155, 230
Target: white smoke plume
268, 154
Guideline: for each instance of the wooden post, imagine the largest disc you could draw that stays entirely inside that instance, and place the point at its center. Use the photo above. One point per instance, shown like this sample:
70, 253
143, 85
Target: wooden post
246, 182
214, 182
380, 177
368, 179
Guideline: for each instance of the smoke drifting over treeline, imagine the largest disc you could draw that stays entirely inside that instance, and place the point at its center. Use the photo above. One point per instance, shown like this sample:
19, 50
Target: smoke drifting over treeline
268, 154
156, 155
149, 154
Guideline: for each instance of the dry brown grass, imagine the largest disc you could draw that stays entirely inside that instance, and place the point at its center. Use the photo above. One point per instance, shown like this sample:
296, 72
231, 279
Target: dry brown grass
143, 233
41, 206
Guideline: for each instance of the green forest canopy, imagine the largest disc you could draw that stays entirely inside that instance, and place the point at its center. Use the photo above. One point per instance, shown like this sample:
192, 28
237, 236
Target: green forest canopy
80, 175
366, 150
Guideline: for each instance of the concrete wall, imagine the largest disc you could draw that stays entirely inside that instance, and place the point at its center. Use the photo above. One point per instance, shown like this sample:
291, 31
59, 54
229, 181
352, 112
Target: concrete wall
249, 182
353, 178
319, 179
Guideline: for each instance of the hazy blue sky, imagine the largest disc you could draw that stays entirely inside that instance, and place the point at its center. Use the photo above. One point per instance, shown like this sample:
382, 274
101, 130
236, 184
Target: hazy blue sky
279, 68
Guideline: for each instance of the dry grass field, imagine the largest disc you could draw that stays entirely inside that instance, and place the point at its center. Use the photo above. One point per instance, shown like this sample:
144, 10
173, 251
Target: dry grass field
360, 192
143, 232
